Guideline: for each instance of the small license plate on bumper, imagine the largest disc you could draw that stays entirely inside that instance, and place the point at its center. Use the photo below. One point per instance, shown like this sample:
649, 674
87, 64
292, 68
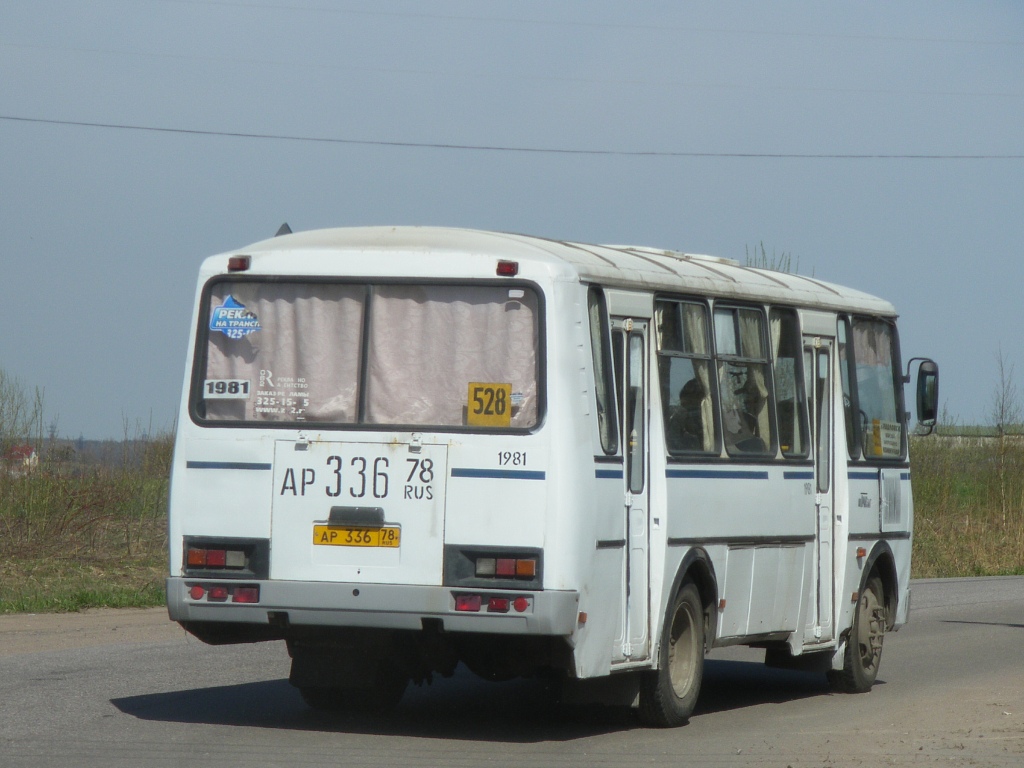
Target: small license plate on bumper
357, 536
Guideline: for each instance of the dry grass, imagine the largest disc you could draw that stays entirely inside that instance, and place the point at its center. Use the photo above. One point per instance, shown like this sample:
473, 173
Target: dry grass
74, 536
968, 506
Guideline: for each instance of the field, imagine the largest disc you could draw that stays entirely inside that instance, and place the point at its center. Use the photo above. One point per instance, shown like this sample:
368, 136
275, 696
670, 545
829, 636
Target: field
75, 535
80, 533
968, 505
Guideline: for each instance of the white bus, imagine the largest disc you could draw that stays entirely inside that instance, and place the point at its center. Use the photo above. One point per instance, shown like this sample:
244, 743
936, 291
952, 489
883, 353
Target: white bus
403, 448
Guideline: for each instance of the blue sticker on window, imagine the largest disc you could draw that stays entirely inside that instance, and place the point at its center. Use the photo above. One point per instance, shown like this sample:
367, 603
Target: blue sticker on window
233, 320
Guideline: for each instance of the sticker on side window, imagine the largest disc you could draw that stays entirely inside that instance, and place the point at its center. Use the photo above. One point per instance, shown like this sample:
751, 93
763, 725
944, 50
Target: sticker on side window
226, 389
233, 320
489, 404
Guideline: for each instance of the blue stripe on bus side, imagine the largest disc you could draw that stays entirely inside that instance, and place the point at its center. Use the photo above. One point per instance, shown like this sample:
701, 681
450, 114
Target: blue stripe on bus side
498, 474
797, 475
608, 474
862, 475
873, 475
717, 474
227, 465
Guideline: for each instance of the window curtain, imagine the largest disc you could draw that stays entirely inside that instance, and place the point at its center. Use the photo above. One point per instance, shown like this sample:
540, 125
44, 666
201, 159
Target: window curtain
303, 361
427, 343
696, 340
755, 389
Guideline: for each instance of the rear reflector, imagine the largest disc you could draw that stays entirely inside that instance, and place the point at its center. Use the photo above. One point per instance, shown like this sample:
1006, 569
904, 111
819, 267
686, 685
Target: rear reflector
521, 604
470, 603
220, 593
245, 595
498, 604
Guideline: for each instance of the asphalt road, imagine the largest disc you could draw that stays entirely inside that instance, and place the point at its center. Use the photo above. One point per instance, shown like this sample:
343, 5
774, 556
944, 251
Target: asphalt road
128, 689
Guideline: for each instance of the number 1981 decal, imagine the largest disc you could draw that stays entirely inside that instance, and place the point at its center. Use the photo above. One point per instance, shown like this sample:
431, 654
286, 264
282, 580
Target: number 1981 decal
489, 404
226, 389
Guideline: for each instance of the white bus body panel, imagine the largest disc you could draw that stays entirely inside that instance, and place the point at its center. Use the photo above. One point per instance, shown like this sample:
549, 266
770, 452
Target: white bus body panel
552, 490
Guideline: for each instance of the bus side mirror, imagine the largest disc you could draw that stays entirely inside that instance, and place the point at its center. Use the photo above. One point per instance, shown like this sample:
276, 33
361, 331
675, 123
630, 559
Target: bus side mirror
928, 394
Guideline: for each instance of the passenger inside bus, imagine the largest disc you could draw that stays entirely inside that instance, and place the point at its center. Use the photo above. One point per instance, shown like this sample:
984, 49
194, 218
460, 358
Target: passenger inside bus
685, 426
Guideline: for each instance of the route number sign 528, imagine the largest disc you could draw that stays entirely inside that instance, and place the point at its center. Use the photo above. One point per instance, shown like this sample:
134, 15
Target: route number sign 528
489, 404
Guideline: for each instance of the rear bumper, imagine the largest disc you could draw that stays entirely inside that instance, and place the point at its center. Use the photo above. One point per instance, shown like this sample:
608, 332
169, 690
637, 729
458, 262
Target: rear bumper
385, 606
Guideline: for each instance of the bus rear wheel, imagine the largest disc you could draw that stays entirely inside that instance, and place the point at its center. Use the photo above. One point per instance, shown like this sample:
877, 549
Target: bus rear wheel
864, 646
669, 695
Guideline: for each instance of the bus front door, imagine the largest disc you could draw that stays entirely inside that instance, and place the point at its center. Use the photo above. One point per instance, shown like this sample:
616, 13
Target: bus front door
629, 343
819, 383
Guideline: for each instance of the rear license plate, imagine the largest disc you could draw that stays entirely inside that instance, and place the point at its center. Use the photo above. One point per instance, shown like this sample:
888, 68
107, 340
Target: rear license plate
356, 536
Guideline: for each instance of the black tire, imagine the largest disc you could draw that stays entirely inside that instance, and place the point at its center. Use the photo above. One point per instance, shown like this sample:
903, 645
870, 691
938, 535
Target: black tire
669, 695
379, 699
864, 646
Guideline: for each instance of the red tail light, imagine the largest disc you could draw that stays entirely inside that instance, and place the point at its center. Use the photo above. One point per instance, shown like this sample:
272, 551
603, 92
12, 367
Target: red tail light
507, 567
216, 558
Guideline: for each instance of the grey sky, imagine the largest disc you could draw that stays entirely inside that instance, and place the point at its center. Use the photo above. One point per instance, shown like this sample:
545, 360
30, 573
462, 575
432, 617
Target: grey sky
103, 229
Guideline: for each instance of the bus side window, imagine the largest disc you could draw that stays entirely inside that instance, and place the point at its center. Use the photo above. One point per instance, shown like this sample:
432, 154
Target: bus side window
790, 398
604, 386
684, 368
743, 381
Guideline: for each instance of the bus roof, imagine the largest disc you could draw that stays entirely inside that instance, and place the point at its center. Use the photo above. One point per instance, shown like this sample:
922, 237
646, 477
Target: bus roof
619, 266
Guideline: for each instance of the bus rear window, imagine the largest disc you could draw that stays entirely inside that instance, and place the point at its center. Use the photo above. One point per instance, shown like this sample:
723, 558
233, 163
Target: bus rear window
354, 354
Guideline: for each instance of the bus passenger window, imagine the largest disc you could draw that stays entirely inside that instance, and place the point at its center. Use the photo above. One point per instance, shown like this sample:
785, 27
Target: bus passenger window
684, 367
743, 381
790, 399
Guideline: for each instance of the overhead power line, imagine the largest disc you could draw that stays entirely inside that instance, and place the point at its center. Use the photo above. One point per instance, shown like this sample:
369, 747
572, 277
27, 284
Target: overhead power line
502, 148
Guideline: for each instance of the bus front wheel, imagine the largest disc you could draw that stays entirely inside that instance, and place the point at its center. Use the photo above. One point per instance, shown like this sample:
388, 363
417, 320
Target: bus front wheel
864, 646
669, 695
